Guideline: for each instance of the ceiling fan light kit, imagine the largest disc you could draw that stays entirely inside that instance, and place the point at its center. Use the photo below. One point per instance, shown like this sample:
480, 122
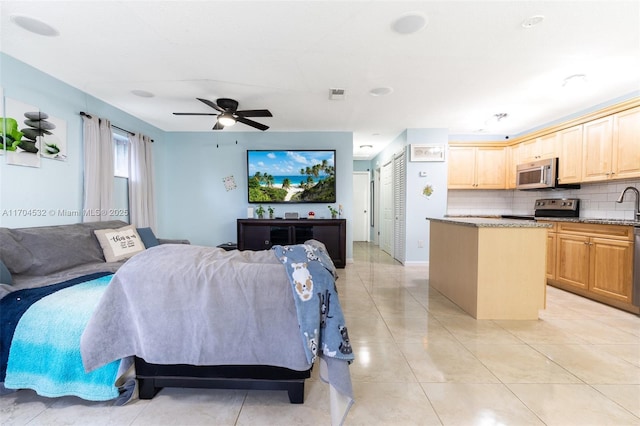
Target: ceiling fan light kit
229, 114
226, 119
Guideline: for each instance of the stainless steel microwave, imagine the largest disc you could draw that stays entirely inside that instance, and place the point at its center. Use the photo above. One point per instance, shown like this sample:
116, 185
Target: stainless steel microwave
541, 174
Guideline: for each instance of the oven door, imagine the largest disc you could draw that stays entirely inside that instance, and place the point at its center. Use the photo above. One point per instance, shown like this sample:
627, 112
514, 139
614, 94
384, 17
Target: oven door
536, 175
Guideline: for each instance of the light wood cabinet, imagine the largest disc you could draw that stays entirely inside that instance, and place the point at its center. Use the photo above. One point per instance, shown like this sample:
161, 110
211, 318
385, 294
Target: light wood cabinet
572, 264
626, 144
611, 266
595, 261
570, 155
476, 168
551, 251
512, 160
611, 147
538, 149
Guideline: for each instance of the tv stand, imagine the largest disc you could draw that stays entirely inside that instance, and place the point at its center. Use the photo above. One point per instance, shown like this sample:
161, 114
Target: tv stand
262, 234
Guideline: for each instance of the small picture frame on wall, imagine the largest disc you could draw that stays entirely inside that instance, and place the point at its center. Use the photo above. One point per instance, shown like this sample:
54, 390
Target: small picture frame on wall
427, 152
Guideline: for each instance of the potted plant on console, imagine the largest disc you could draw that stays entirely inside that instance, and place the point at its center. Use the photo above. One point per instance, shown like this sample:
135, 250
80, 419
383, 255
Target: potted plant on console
334, 212
260, 212
270, 209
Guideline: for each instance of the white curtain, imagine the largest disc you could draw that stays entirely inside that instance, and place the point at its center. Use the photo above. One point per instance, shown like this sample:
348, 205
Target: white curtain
142, 206
98, 169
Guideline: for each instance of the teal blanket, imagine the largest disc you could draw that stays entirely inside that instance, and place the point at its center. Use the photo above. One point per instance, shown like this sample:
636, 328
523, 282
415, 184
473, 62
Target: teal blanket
45, 350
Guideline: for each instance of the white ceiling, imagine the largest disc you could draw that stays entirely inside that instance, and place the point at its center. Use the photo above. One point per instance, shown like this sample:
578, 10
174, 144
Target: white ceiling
474, 59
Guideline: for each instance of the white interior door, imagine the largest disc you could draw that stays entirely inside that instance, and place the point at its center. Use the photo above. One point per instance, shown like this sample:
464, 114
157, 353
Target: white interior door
386, 208
360, 206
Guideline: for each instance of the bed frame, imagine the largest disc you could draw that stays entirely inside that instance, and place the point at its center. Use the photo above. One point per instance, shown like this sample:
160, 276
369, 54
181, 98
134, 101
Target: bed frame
153, 377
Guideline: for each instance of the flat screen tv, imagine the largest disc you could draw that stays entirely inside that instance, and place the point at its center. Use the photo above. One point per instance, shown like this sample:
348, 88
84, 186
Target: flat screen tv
291, 176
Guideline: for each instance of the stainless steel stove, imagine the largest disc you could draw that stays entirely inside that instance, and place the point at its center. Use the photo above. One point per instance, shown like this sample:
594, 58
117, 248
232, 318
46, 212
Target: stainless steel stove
550, 208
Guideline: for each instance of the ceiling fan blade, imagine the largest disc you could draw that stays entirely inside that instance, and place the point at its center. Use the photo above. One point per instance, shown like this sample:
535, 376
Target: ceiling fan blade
251, 123
218, 126
211, 104
255, 113
193, 113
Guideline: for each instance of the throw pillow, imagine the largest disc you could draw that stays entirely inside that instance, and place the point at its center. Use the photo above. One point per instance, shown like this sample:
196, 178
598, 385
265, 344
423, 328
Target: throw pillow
148, 237
119, 244
5, 275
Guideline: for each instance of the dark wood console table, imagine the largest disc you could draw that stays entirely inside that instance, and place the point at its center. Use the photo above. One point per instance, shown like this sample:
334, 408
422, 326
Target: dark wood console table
261, 234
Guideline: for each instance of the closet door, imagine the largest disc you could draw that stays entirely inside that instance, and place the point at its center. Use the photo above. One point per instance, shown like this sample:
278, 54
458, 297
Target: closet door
399, 206
386, 208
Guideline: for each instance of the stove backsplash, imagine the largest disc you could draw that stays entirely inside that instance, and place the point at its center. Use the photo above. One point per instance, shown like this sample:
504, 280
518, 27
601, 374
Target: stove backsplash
597, 200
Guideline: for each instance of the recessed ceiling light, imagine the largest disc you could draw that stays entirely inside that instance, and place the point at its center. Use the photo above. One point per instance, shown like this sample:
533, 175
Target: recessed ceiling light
381, 91
532, 21
34, 25
367, 146
142, 93
410, 23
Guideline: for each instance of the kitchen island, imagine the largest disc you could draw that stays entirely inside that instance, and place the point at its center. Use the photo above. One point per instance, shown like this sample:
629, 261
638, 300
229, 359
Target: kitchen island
491, 268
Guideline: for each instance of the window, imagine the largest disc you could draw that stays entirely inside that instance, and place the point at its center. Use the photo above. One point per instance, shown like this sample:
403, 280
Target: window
121, 155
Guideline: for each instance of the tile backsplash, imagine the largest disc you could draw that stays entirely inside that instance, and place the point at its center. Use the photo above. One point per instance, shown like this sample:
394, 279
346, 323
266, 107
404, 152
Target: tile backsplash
597, 200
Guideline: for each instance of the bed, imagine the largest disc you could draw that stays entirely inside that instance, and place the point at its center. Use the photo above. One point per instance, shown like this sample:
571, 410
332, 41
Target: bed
191, 316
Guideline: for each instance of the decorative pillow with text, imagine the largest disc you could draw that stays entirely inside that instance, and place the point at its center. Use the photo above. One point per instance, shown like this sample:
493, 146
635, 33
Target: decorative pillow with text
119, 244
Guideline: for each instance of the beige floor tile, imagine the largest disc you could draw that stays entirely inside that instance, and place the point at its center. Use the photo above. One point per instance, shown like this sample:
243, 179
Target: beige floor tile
627, 396
572, 405
391, 404
540, 332
379, 362
445, 361
592, 364
478, 404
273, 408
524, 365
21, 407
469, 330
368, 327
595, 331
418, 330
173, 406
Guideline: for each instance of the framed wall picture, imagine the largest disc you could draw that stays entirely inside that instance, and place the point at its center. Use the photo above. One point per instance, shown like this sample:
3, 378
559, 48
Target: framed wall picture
427, 152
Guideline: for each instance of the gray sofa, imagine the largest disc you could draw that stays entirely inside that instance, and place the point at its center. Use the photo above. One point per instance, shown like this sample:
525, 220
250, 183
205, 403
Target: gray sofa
44, 255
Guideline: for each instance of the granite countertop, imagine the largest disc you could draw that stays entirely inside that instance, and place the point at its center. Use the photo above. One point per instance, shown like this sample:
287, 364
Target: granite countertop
621, 222
490, 222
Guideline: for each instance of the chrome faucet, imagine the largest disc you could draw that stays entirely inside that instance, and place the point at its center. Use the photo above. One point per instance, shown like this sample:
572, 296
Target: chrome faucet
637, 211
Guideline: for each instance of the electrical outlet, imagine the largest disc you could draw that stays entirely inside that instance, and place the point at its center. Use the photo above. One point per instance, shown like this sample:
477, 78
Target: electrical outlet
420, 244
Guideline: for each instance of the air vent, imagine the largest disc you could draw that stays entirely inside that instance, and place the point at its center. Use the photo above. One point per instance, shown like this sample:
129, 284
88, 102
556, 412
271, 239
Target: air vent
336, 94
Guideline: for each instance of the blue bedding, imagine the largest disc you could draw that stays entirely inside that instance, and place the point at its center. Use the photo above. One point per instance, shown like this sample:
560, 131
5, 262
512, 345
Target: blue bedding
44, 352
15, 304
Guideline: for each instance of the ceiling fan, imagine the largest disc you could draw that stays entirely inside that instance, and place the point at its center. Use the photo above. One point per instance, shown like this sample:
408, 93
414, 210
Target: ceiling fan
229, 114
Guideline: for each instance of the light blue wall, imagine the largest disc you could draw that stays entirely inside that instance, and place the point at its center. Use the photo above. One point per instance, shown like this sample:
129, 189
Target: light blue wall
191, 199
190, 168
361, 165
418, 207
55, 185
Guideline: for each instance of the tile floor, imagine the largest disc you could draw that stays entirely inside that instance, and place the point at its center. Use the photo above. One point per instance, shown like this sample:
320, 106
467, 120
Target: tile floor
420, 360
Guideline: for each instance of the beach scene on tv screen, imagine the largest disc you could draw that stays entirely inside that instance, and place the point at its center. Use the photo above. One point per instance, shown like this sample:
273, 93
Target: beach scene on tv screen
291, 176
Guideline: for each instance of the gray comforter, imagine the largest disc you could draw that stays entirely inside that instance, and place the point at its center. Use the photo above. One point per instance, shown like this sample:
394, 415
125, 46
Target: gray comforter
172, 304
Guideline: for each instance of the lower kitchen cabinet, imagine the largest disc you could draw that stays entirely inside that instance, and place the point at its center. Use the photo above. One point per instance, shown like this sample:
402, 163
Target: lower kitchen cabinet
595, 261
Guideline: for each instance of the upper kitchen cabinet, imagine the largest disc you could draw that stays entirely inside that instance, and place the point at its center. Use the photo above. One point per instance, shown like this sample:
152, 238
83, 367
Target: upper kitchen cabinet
611, 147
474, 167
570, 155
512, 160
626, 144
538, 149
